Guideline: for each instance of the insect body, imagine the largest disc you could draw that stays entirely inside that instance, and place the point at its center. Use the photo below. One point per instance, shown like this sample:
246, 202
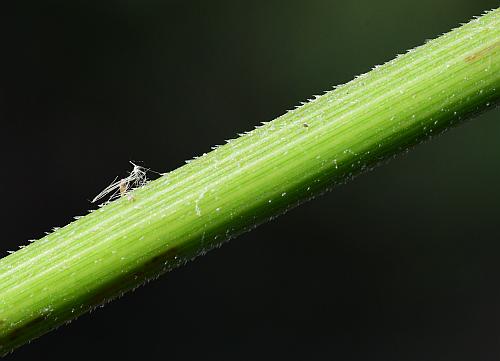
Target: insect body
121, 188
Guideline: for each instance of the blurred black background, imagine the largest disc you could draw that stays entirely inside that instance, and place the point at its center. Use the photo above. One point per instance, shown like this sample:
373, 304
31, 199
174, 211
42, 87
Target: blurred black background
400, 264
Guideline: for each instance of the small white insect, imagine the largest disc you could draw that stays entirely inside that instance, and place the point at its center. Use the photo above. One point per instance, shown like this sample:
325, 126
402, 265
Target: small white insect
121, 188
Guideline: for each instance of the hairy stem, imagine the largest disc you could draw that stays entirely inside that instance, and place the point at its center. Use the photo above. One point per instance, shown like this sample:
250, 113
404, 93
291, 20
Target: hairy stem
249, 180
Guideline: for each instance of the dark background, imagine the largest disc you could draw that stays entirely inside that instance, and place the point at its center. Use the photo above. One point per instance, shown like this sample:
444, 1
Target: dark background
400, 264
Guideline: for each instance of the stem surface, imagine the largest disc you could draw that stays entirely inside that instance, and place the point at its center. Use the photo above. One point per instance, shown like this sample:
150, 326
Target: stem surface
249, 180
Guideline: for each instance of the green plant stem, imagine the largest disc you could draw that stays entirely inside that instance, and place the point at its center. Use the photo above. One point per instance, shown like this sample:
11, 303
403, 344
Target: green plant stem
249, 180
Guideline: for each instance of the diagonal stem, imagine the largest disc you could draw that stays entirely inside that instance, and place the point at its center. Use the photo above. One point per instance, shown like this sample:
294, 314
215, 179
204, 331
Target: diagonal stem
249, 180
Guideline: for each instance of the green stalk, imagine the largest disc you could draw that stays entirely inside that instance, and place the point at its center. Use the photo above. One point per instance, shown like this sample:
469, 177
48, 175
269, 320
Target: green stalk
249, 180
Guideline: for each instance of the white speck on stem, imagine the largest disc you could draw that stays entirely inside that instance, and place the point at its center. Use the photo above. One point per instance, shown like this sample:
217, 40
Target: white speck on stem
196, 203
